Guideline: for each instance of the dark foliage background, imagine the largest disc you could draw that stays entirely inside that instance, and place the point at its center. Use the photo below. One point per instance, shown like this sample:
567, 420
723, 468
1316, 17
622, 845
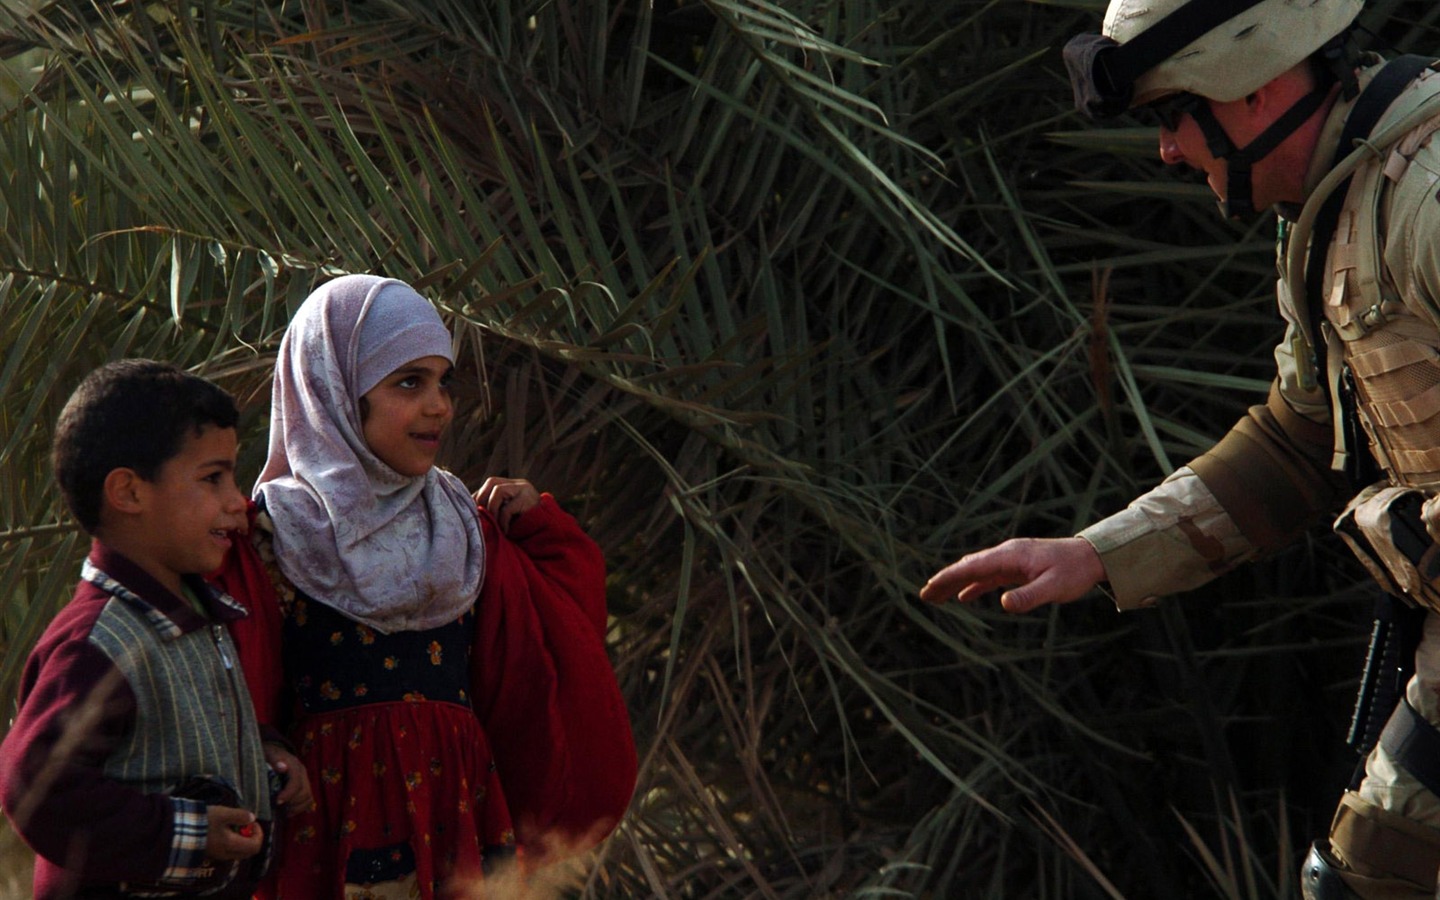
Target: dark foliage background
791, 304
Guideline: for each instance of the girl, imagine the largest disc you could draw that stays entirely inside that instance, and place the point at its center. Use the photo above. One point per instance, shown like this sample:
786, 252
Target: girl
439, 666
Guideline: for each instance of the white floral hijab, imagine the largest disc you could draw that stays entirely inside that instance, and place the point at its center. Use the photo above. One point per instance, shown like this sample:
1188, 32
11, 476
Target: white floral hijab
393, 552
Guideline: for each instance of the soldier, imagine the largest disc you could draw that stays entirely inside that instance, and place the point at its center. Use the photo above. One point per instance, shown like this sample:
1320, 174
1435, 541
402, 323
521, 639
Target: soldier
1271, 101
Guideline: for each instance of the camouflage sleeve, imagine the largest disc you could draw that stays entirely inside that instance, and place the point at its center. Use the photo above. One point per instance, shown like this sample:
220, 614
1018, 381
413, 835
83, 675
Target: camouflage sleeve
1172, 539
1256, 490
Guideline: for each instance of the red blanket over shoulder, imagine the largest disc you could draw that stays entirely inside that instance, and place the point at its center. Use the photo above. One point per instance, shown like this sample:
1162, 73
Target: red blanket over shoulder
542, 683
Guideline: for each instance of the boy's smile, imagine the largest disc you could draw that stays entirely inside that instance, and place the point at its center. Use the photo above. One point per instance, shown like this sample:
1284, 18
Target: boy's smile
179, 523
405, 415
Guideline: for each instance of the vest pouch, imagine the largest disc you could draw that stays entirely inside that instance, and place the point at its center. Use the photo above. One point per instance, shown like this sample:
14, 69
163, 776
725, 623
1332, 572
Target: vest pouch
1383, 526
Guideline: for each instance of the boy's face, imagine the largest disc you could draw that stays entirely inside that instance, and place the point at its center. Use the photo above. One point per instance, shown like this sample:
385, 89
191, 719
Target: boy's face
407, 412
183, 517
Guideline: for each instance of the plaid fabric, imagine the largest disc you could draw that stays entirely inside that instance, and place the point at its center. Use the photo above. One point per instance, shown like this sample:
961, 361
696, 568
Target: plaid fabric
162, 623
187, 846
188, 866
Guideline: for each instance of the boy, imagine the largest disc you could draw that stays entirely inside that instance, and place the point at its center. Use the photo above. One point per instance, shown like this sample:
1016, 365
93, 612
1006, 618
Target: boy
134, 764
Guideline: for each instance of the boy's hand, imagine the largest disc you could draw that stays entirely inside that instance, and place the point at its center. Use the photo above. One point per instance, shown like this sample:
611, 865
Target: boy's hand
295, 796
507, 498
233, 833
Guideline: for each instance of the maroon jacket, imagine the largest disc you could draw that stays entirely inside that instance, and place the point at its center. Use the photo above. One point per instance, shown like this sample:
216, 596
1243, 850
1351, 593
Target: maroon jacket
110, 720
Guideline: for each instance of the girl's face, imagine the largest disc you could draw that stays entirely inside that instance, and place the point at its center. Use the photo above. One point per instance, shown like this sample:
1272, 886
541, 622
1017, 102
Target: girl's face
404, 415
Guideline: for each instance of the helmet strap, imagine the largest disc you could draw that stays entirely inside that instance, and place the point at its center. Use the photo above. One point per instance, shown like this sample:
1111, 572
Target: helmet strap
1337, 59
1239, 197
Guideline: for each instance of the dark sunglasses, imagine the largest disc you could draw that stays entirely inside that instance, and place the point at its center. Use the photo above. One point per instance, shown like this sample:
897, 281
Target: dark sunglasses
1170, 111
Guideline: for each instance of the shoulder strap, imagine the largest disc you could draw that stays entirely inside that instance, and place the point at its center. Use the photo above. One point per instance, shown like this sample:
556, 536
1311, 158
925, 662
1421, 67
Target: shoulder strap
1369, 106
1415, 745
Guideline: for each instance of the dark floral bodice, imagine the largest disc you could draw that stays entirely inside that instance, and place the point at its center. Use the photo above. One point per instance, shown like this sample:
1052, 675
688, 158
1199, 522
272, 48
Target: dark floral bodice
335, 663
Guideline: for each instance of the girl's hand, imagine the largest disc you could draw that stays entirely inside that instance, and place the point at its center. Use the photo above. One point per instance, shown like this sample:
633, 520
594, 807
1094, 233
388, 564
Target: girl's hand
507, 498
295, 796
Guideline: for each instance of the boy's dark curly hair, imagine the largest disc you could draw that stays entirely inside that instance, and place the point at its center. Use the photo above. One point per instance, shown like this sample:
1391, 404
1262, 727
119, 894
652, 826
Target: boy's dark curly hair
133, 414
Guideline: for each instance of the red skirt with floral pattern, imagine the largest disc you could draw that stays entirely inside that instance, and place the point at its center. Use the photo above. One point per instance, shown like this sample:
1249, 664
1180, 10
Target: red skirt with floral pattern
402, 783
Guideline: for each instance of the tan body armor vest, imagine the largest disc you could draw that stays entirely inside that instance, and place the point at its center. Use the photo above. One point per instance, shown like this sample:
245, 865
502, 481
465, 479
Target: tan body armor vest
1391, 347
1389, 340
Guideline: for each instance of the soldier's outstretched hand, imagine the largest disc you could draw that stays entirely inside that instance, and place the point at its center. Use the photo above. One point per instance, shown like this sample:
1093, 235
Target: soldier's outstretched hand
1036, 571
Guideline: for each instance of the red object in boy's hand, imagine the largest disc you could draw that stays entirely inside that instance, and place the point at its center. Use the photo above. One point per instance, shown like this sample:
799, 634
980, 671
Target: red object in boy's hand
247, 830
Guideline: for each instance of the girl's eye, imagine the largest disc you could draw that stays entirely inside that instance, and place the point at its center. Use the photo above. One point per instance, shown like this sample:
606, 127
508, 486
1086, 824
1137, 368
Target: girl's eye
406, 382
213, 478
